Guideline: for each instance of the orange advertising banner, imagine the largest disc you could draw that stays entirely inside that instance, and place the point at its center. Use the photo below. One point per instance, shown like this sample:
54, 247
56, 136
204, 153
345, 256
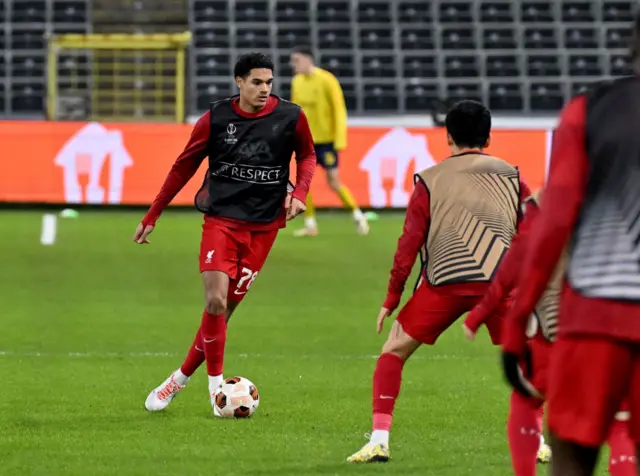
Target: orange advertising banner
125, 163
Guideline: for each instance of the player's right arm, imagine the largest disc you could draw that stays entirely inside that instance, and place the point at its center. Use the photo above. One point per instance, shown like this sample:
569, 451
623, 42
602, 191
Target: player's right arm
412, 239
185, 166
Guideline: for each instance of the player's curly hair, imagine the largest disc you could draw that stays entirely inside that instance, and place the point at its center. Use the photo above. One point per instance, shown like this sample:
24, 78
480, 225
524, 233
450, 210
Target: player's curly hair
469, 124
249, 61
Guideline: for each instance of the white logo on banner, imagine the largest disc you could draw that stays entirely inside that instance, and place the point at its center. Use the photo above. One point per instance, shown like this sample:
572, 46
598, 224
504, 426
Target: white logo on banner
387, 162
83, 157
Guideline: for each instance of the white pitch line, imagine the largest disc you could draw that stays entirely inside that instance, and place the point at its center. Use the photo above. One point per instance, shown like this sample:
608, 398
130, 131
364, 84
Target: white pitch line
49, 225
139, 355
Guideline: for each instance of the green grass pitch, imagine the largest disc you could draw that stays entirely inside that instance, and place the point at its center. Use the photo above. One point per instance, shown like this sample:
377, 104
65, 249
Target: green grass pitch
91, 324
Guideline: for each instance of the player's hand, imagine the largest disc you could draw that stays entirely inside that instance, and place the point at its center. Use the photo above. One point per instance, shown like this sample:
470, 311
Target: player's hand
382, 315
517, 378
294, 206
468, 333
142, 233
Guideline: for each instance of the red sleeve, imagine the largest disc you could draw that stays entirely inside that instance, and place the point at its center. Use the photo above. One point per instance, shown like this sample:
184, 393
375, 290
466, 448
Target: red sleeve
559, 211
185, 166
413, 236
305, 158
506, 278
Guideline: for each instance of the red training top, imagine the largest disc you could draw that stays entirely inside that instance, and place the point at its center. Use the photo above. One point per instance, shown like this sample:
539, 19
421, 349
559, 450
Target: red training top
187, 164
559, 210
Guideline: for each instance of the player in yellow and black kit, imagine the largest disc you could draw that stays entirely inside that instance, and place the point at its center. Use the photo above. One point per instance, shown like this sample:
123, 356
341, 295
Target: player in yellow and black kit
319, 94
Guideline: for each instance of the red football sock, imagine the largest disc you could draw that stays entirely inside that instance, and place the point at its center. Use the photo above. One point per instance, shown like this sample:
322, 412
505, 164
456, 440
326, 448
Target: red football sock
195, 357
214, 336
386, 388
523, 431
622, 461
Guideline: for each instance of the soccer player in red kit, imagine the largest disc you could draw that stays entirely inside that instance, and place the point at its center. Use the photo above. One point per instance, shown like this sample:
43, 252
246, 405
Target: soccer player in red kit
461, 218
529, 372
592, 201
250, 140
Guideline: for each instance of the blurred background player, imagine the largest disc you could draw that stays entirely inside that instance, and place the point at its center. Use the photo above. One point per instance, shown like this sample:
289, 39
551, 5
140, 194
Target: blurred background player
245, 201
592, 200
461, 218
320, 95
528, 371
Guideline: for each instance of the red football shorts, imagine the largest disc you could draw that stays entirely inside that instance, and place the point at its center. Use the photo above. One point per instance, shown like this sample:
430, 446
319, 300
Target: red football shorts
240, 254
429, 312
535, 370
589, 380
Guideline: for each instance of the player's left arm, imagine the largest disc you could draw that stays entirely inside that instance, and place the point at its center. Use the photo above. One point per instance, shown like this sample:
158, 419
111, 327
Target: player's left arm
506, 277
559, 209
305, 166
339, 109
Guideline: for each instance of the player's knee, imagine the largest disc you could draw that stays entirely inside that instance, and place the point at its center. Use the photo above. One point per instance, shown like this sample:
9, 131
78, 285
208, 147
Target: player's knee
334, 183
216, 304
397, 347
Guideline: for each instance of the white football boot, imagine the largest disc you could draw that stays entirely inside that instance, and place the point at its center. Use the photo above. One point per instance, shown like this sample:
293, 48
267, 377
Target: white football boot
161, 396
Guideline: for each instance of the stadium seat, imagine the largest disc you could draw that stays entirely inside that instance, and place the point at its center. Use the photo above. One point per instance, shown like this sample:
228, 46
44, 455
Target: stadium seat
455, 11
537, 11
3, 12
419, 66
499, 38
459, 66
210, 91
497, 11
376, 38
544, 66
581, 38
501, 65
70, 11
373, 12
350, 95
29, 11
380, 97
414, 11
578, 11
459, 91
210, 11
253, 37
283, 67
288, 37
578, 87
3, 102
29, 66
331, 38
211, 37
378, 65
617, 37
584, 65
458, 38
27, 97
333, 12
340, 64
415, 38
289, 11
546, 97
617, 11
28, 39
543, 38
252, 11
619, 65
505, 97
212, 64
420, 97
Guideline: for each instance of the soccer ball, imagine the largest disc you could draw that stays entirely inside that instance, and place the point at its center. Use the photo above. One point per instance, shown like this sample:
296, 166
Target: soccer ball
237, 397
